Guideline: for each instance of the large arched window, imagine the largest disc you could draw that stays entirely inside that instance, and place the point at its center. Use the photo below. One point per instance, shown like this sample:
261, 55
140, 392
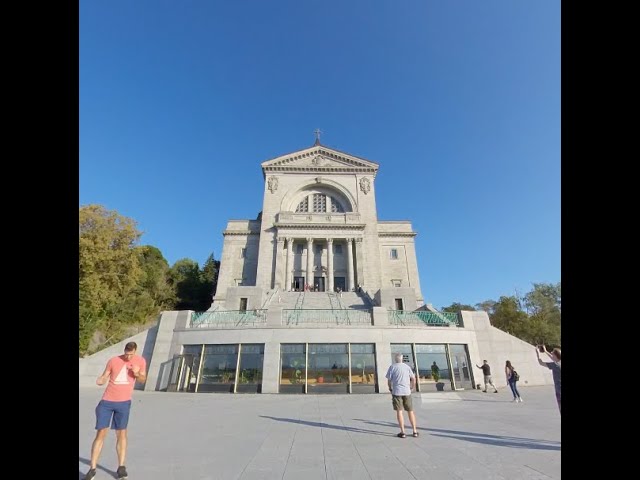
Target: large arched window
320, 203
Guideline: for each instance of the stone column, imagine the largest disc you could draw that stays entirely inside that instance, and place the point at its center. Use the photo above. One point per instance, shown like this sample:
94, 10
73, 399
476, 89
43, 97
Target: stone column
310, 262
279, 264
359, 257
350, 284
289, 265
330, 264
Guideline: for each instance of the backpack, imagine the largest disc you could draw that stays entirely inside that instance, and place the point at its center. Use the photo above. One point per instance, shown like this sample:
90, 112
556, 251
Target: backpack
515, 375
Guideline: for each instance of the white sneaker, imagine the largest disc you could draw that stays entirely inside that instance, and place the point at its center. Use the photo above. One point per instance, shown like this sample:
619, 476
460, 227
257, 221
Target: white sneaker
520, 399
514, 400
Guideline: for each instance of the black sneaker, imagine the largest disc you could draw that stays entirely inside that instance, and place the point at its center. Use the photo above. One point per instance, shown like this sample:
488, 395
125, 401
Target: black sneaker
121, 473
90, 474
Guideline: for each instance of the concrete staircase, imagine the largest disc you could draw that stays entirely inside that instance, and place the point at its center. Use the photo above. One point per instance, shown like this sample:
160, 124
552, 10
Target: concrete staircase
320, 301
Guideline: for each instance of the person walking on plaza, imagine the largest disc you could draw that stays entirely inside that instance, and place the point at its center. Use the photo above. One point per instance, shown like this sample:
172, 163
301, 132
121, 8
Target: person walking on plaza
486, 371
402, 381
122, 372
512, 378
554, 366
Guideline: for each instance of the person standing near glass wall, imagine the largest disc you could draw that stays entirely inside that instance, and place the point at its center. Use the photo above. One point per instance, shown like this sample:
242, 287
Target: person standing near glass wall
402, 381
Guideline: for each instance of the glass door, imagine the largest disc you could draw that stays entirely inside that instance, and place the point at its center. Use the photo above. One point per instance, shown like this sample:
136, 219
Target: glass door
298, 284
460, 366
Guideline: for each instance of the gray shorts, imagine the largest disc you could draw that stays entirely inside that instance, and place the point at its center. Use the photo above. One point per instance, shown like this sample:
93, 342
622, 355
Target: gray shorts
487, 379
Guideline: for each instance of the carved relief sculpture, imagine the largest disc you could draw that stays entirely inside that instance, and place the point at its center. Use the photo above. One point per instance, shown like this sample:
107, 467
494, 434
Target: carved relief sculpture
365, 185
272, 184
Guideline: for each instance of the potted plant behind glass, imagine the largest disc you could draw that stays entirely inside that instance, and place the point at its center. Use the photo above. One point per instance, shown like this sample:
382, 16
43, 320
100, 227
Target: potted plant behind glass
297, 373
435, 374
439, 384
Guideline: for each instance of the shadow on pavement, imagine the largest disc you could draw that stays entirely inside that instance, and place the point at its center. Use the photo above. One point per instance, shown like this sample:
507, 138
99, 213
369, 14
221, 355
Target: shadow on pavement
327, 425
497, 440
99, 467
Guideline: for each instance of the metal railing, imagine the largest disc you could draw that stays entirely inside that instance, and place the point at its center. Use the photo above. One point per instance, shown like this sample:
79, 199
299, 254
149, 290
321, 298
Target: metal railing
299, 301
422, 318
333, 300
228, 319
323, 317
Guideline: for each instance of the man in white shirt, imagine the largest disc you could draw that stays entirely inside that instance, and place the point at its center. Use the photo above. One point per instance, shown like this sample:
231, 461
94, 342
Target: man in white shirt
401, 381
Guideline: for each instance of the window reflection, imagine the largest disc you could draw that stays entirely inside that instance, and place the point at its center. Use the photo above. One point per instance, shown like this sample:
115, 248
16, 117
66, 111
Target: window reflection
218, 368
328, 368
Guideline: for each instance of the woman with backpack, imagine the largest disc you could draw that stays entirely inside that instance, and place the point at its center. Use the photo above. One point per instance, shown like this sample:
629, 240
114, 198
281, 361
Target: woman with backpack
512, 378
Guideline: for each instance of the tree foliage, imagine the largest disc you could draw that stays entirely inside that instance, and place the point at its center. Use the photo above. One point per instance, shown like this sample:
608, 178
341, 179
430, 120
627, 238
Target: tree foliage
456, 307
123, 286
109, 269
534, 317
194, 287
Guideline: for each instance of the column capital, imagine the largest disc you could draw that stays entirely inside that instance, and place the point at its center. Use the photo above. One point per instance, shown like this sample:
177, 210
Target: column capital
359, 240
289, 239
349, 240
280, 239
329, 240
310, 239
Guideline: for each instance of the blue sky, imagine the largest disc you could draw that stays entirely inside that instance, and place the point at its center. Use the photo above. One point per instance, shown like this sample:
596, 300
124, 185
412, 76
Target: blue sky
458, 101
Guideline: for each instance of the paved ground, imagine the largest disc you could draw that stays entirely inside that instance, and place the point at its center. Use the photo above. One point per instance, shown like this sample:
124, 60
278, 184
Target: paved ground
465, 435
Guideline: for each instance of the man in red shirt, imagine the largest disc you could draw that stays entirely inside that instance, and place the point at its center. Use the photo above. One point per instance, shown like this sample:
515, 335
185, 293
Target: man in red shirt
122, 372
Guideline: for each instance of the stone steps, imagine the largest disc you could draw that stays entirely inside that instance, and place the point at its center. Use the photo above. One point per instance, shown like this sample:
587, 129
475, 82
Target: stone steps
319, 300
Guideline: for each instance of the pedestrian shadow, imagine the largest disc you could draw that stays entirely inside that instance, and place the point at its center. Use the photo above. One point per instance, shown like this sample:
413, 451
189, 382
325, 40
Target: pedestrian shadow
328, 425
488, 439
99, 467
492, 401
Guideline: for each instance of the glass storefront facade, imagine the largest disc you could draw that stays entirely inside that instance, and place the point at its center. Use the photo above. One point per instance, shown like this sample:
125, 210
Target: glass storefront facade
235, 368
314, 368
328, 368
363, 368
218, 371
439, 367
250, 370
293, 368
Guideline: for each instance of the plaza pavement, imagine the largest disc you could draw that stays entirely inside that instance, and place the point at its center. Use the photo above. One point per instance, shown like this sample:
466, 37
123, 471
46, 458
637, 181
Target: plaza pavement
463, 435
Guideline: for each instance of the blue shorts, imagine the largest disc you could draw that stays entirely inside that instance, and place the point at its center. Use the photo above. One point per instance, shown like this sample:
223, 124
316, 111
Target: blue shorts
107, 410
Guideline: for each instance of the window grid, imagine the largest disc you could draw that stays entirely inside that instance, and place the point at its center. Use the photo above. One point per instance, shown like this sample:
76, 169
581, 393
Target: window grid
336, 207
303, 206
319, 202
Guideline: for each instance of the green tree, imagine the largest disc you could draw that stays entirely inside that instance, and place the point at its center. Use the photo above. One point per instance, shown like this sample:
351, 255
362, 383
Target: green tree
508, 316
487, 306
186, 278
109, 269
455, 307
156, 279
194, 286
209, 279
543, 304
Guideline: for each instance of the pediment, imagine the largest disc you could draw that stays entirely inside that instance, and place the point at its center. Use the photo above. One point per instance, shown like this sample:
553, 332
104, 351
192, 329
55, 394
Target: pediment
319, 158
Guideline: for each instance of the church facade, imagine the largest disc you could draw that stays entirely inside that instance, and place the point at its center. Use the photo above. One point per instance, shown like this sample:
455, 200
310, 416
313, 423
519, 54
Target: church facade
319, 231
316, 295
